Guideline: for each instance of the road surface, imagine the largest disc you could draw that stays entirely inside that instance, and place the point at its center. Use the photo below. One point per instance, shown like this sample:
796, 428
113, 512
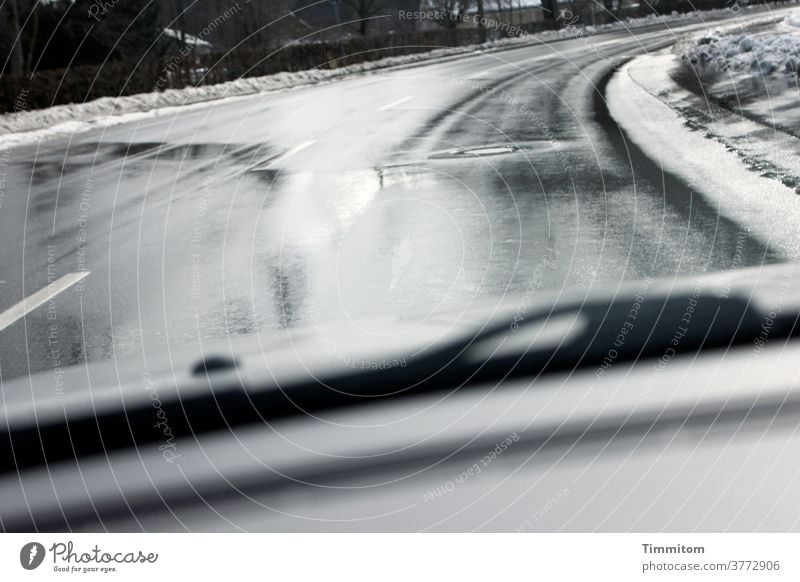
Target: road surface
413, 191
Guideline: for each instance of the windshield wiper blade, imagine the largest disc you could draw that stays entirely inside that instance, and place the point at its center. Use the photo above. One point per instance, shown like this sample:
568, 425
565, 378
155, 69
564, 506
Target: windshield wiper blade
575, 333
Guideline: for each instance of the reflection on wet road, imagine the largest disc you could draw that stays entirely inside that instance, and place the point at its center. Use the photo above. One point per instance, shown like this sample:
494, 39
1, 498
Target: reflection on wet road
410, 192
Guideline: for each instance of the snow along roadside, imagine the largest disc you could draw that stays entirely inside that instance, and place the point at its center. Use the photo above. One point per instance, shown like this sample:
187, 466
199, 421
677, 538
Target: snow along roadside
735, 51
753, 74
766, 208
25, 127
62, 120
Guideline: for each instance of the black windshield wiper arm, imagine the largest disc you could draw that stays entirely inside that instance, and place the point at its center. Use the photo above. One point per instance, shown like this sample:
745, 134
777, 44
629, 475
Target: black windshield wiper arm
574, 334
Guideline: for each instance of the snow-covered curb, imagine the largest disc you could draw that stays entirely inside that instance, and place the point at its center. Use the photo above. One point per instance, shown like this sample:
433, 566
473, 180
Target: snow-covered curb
763, 206
791, 22
31, 126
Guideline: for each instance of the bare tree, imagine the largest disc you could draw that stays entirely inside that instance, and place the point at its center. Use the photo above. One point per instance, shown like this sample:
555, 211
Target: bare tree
550, 10
364, 11
22, 13
263, 21
611, 9
481, 22
450, 12
180, 15
503, 6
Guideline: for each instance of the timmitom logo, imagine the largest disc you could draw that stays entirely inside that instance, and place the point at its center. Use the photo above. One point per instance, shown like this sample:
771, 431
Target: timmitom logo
31, 555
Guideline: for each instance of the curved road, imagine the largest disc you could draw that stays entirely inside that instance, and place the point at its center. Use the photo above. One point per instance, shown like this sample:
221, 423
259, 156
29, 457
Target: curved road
414, 190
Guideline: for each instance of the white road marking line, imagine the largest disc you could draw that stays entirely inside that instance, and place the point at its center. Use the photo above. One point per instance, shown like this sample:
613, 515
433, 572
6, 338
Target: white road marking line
271, 162
42, 296
393, 103
518, 66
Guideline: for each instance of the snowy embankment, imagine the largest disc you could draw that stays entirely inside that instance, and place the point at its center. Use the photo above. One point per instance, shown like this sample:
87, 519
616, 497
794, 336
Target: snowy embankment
769, 53
754, 73
726, 159
710, 111
31, 126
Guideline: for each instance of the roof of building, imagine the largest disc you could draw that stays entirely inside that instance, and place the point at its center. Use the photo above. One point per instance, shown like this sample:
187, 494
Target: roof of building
189, 39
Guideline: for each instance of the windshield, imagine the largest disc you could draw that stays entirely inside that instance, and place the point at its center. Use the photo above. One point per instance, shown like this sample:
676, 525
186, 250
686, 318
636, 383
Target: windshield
398, 265
173, 174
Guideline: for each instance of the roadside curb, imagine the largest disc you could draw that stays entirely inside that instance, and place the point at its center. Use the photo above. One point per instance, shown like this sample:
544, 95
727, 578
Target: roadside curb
702, 113
732, 174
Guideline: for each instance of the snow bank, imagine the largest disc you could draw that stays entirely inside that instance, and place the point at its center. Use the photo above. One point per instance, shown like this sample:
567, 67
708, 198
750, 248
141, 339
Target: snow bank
761, 54
792, 21
765, 207
30, 126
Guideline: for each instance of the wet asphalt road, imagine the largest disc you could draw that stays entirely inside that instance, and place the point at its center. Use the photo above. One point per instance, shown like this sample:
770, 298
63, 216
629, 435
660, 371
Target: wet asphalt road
412, 191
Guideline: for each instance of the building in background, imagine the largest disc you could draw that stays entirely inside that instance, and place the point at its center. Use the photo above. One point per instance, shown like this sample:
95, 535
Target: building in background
503, 16
183, 41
